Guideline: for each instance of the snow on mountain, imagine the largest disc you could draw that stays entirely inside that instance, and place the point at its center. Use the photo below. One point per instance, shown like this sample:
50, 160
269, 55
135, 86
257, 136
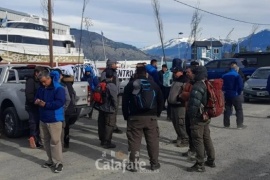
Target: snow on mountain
180, 47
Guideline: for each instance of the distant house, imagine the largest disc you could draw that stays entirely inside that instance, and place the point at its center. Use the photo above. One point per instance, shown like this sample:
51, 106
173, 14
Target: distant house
206, 49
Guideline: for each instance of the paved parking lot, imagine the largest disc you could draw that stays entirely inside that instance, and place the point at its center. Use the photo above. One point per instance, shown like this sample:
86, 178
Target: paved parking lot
240, 154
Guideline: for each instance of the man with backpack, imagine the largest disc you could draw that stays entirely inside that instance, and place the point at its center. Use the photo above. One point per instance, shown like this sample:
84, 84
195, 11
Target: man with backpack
142, 103
106, 106
177, 106
233, 87
199, 125
112, 65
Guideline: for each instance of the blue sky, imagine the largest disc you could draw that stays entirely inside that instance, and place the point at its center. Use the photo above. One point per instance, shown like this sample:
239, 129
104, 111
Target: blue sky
132, 21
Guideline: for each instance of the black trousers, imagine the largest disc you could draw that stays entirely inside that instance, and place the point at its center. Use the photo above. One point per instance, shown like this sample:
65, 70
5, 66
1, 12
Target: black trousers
237, 103
135, 129
187, 120
106, 124
34, 123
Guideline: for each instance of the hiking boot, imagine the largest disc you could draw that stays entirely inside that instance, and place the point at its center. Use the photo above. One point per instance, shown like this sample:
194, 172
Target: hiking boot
185, 154
39, 145
197, 167
211, 164
58, 168
155, 166
242, 127
32, 142
102, 143
109, 145
182, 144
47, 165
131, 167
117, 131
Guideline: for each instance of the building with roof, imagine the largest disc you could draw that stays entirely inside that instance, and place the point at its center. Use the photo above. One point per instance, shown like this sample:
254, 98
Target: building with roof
206, 49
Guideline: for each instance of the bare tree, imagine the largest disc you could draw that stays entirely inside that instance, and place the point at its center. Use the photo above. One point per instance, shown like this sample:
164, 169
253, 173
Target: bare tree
195, 29
88, 23
44, 7
159, 24
253, 31
85, 2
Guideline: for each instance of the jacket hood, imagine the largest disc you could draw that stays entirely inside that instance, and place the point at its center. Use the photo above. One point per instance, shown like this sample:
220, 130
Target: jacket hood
200, 73
55, 78
88, 69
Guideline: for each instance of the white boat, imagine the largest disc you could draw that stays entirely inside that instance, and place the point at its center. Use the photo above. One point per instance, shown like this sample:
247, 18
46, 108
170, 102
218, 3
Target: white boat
26, 41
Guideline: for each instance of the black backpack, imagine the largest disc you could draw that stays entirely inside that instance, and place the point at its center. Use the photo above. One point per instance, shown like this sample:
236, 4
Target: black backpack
146, 98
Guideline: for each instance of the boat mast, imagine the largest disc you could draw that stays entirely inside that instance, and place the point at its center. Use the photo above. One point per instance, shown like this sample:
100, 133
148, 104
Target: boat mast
50, 32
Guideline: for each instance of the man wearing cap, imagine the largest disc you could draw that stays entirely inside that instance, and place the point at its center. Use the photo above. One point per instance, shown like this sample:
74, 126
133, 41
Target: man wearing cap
142, 121
112, 64
177, 105
106, 115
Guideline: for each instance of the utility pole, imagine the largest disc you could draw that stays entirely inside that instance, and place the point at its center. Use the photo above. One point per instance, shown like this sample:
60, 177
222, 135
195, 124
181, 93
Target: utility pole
105, 58
50, 32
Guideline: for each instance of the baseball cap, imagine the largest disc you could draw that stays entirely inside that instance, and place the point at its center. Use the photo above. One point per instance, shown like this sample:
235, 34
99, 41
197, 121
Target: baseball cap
111, 61
136, 86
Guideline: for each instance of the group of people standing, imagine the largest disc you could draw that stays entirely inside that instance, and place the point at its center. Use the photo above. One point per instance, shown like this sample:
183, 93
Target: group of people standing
50, 104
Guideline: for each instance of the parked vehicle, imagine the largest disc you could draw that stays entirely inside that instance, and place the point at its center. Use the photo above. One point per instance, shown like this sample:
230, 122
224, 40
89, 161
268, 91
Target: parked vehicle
13, 115
216, 68
255, 86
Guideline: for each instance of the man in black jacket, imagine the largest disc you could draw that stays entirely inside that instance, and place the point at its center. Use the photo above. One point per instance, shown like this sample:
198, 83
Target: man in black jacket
31, 86
142, 121
112, 66
200, 131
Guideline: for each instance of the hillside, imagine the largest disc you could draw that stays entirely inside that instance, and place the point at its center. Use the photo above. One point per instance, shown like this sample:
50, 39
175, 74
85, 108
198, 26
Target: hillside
258, 42
93, 49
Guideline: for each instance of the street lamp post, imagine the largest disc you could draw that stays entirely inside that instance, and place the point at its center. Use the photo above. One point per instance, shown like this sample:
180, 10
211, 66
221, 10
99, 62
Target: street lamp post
179, 44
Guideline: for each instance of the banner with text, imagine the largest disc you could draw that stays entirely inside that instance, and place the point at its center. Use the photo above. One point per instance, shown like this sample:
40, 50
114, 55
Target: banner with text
125, 73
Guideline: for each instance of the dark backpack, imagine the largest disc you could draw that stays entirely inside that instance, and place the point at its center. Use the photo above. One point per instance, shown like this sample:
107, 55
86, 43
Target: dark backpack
215, 99
146, 98
100, 93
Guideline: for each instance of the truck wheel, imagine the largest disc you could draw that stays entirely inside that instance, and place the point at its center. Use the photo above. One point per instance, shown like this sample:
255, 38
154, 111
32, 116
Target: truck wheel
12, 124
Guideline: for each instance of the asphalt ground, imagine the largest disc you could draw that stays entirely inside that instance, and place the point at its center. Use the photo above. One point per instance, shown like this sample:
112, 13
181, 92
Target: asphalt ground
240, 154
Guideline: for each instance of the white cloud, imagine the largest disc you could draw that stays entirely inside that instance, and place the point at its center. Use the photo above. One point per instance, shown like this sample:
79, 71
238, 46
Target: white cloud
132, 21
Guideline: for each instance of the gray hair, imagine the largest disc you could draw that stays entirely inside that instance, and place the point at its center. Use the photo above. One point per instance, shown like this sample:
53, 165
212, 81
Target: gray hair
44, 73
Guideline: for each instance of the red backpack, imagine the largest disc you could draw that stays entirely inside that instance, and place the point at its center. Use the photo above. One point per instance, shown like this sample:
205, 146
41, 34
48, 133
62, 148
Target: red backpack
215, 99
99, 93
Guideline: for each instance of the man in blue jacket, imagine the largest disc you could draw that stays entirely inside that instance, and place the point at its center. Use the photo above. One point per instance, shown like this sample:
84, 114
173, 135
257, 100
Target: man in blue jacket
50, 98
233, 87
